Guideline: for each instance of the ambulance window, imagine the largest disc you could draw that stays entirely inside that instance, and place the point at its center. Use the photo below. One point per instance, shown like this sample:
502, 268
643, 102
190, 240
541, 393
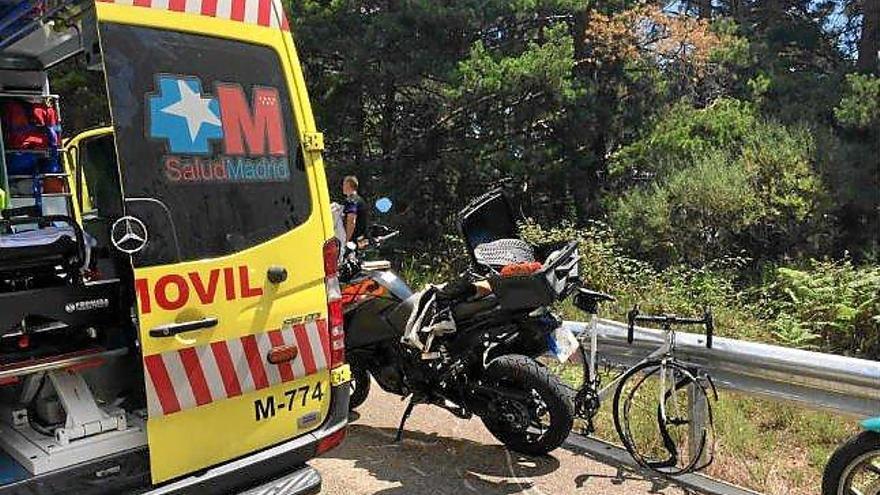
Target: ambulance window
207, 142
97, 157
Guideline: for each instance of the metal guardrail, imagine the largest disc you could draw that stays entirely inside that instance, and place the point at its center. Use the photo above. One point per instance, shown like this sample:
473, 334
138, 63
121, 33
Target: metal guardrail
811, 379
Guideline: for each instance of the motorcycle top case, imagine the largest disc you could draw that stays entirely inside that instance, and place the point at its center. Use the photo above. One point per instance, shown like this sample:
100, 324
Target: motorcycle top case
488, 218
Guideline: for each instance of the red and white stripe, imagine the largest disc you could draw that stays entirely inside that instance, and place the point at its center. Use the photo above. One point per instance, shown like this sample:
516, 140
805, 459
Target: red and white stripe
267, 13
195, 376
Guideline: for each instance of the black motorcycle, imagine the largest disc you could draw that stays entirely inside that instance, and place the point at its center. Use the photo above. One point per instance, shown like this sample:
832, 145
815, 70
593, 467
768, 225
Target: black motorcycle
469, 346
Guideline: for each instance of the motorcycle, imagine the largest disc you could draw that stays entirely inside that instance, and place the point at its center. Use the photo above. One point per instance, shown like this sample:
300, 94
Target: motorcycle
855, 466
472, 354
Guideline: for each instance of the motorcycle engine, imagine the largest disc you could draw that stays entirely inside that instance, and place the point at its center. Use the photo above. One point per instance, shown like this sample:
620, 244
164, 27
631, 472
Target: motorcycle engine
408, 373
390, 379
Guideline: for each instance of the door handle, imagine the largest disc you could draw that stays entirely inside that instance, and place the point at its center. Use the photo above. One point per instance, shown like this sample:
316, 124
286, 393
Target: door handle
173, 329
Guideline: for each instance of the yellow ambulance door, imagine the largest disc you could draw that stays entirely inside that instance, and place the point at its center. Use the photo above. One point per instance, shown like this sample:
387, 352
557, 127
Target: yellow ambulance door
223, 222
79, 153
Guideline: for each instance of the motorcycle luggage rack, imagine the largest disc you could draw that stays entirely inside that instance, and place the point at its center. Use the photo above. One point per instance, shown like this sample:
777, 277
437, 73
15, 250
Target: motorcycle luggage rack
542, 288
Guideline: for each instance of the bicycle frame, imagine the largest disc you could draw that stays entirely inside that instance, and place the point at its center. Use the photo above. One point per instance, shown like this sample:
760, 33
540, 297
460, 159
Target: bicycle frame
665, 350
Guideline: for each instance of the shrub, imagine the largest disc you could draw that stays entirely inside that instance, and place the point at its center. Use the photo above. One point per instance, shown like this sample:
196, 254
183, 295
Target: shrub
830, 305
696, 215
683, 134
604, 266
731, 184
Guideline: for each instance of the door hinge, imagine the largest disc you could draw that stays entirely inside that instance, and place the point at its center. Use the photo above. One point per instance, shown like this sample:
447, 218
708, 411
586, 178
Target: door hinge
314, 141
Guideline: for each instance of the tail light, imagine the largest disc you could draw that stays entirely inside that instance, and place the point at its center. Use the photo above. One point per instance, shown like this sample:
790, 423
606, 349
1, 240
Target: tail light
331, 441
334, 303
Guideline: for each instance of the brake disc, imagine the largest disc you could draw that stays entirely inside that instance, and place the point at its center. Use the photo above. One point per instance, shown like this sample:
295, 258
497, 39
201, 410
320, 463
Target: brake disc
515, 414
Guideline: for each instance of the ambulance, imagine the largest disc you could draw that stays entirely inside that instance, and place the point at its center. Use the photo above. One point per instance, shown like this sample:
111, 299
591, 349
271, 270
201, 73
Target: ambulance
170, 316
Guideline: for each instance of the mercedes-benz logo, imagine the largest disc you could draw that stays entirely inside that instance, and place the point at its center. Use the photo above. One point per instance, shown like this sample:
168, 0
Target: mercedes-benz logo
129, 234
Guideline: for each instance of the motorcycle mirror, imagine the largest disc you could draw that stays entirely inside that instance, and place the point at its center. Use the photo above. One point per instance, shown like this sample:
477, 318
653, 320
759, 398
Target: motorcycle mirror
384, 205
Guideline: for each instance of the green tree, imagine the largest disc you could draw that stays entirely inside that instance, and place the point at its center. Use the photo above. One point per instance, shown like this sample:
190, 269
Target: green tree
427, 101
721, 181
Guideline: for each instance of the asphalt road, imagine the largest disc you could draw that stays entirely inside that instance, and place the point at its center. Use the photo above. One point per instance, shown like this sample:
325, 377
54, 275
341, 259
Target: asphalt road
441, 454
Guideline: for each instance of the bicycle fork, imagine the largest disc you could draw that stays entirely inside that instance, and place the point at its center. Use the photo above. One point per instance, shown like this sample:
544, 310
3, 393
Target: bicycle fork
669, 337
668, 390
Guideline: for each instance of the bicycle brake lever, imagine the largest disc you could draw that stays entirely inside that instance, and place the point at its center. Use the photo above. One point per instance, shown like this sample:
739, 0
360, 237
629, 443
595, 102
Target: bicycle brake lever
631, 320
710, 327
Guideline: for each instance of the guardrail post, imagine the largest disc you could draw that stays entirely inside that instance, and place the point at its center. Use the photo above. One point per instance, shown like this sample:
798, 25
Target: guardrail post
699, 407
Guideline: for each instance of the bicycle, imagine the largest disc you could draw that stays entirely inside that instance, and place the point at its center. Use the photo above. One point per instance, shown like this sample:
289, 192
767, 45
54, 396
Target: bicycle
660, 379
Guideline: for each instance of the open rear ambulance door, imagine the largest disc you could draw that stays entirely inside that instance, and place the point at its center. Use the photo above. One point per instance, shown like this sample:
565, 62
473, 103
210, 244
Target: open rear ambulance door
224, 226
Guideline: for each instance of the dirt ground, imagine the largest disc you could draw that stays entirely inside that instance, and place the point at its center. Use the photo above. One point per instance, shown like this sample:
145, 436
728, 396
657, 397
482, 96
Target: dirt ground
441, 454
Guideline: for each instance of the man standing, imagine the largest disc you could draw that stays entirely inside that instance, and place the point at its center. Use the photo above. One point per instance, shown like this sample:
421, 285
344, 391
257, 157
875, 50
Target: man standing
354, 211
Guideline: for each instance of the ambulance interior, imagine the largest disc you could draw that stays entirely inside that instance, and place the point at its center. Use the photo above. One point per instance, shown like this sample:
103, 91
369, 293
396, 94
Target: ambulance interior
71, 388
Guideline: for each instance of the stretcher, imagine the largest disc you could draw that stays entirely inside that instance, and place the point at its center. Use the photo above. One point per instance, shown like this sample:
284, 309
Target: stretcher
54, 241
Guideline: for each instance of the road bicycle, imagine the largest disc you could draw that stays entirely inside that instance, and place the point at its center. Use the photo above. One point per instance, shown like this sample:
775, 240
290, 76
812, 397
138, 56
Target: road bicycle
661, 406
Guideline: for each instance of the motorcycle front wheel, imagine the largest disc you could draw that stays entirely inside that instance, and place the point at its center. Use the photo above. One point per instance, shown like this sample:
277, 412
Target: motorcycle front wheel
854, 468
360, 386
540, 421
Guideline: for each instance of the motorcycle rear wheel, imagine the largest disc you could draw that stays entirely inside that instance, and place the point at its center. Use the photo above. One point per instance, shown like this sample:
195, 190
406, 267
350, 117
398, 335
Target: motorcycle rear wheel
550, 401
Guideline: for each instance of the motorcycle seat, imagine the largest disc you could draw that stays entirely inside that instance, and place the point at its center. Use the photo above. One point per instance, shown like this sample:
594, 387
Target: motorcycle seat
461, 312
470, 309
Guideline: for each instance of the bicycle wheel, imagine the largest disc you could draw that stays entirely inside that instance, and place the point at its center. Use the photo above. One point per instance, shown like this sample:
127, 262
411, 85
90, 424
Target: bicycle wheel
655, 421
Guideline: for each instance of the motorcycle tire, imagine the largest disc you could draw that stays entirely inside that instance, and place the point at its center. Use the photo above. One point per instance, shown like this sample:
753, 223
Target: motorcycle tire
846, 458
360, 387
524, 373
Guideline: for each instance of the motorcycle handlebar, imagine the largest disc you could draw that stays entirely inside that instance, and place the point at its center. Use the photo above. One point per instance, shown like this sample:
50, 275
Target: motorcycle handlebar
353, 257
380, 240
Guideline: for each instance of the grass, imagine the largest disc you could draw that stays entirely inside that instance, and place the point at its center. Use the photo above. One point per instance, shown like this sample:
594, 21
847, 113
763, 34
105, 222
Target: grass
772, 447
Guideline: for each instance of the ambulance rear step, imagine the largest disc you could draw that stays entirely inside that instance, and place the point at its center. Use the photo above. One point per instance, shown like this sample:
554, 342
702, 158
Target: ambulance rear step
304, 481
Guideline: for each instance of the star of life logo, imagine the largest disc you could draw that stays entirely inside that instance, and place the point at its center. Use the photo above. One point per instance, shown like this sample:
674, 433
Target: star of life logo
219, 136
